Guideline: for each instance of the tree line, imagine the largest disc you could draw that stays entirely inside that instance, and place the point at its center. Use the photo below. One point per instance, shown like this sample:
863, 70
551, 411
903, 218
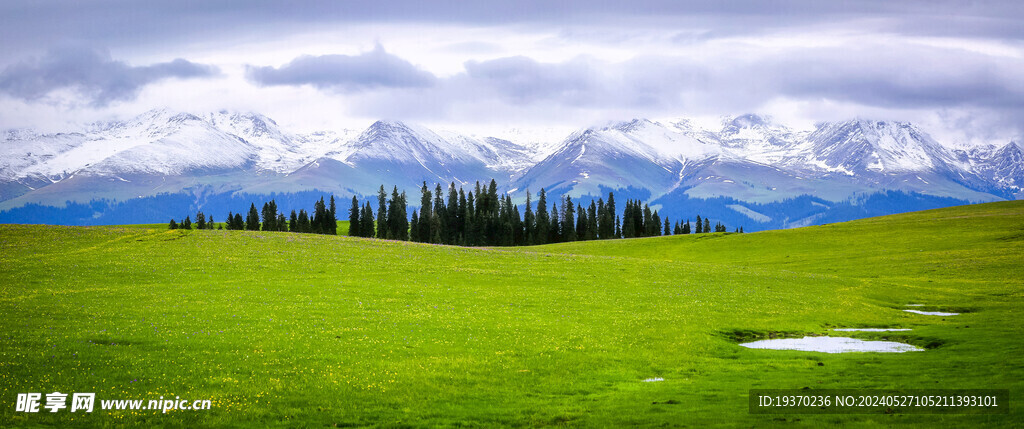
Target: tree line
482, 217
478, 217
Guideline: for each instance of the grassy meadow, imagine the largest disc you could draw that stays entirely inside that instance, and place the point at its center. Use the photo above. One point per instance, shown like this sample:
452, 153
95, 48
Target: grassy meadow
302, 330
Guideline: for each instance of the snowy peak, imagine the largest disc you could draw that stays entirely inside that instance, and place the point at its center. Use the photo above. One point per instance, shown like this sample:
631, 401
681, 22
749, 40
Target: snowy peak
1005, 166
863, 146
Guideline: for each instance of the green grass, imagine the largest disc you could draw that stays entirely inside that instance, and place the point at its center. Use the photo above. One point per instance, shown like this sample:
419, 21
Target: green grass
282, 329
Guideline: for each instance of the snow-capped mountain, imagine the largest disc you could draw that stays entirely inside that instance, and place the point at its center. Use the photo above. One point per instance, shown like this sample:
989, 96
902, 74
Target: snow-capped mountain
1002, 166
748, 159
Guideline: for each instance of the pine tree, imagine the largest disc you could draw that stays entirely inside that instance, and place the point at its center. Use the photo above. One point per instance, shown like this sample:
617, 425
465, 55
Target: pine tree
172, 225
592, 225
269, 216
470, 218
239, 223
707, 225
252, 222
555, 233
686, 227
439, 218
293, 222
569, 221
210, 222
368, 228
581, 222
529, 223
699, 225
200, 220
668, 230
282, 223
382, 212
186, 224
425, 204
452, 215
332, 218
353, 219
397, 223
414, 227
542, 230
303, 224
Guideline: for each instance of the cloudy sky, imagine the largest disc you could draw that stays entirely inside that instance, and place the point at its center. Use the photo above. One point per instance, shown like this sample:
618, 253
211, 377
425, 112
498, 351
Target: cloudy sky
956, 67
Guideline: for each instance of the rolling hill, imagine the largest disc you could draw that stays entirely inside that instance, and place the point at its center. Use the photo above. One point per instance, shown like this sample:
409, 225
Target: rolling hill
284, 330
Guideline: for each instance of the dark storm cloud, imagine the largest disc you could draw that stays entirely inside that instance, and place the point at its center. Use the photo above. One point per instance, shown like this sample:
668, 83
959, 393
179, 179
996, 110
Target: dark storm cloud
345, 73
93, 73
38, 24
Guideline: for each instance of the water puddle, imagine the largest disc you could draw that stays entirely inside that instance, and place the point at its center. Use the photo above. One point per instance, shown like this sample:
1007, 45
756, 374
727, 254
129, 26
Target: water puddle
932, 313
831, 345
652, 380
870, 330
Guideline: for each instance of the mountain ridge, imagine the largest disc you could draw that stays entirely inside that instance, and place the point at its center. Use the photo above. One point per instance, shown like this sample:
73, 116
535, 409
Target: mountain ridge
750, 159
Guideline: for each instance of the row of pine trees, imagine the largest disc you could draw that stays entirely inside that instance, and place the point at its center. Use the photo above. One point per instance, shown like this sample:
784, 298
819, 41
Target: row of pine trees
479, 217
323, 220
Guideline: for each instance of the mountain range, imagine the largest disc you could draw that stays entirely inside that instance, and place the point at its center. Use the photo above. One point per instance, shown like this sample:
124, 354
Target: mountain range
749, 171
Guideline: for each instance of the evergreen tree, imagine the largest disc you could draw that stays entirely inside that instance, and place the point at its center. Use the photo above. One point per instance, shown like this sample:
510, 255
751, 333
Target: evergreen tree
612, 216
252, 222
686, 227
470, 218
186, 224
569, 220
655, 227
543, 224
425, 205
699, 225
172, 225
382, 212
282, 223
529, 223
293, 222
200, 220
439, 218
210, 222
269, 213
581, 222
592, 226
452, 215
318, 224
368, 228
353, 219
414, 227
397, 223
304, 225
518, 232
462, 215
239, 223
629, 227
332, 218
707, 225
555, 233
668, 230
648, 220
